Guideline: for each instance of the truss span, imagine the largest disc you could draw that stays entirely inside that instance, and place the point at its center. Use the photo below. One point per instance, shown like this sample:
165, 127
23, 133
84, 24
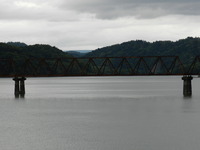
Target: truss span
99, 66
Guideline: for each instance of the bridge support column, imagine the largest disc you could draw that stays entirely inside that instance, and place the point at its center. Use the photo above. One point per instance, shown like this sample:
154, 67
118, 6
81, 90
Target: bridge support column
17, 91
19, 87
187, 85
22, 86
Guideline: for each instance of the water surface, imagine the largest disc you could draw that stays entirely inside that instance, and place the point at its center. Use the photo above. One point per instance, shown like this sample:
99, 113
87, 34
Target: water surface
100, 113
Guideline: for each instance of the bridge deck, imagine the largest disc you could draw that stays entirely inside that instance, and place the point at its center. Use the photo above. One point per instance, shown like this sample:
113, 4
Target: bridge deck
99, 66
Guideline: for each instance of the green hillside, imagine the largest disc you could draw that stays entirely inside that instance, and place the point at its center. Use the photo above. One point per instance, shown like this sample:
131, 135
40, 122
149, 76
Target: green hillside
36, 51
186, 49
19, 54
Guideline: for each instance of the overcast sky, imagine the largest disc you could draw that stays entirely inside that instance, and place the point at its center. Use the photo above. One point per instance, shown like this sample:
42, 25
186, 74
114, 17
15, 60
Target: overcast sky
91, 24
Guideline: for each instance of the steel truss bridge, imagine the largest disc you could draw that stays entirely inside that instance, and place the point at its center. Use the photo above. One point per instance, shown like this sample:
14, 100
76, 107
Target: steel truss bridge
99, 66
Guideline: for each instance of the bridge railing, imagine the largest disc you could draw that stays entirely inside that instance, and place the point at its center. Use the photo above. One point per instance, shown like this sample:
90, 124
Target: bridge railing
98, 66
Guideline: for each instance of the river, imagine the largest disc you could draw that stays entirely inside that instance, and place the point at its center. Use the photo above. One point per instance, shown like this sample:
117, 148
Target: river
100, 113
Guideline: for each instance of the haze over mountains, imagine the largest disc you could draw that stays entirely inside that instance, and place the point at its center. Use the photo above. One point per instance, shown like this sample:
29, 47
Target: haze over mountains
78, 53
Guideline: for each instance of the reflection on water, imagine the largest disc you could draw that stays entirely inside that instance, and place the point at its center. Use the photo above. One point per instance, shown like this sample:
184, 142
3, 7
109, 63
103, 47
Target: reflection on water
111, 113
19, 96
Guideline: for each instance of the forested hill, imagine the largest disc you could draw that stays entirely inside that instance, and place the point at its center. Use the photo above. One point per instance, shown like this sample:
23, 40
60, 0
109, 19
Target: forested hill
19, 51
186, 49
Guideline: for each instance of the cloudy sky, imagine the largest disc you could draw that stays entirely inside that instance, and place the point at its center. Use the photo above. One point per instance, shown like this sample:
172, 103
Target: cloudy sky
91, 24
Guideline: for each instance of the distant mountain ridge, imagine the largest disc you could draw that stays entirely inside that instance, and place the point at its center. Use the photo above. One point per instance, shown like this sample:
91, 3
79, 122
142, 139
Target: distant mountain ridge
186, 49
29, 56
21, 51
17, 44
78, 53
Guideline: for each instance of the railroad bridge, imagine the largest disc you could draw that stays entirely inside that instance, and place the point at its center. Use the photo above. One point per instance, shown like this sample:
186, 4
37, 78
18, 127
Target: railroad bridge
20, 69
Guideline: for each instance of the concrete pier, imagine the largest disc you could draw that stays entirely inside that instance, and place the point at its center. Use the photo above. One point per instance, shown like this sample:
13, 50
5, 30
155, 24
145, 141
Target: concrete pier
19, 86
17, 91
22, 85
187, 85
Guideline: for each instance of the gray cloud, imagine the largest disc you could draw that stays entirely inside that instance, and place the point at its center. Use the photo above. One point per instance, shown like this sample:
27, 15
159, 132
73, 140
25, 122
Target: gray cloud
92, 34
70, 10
89, 24
108, 9
35, 10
